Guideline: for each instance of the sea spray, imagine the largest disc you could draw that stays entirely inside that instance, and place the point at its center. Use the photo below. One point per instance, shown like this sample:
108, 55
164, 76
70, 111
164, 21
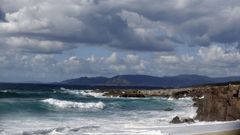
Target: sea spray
70, 104
89, 93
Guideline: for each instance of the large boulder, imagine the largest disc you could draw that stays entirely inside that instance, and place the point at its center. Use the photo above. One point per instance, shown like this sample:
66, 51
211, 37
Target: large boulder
188, 120
176, 120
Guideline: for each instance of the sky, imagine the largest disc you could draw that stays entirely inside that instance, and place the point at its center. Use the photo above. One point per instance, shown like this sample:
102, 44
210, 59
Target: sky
54, 40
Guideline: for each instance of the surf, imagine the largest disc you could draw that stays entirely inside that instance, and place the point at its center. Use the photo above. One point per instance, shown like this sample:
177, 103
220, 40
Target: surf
71, 104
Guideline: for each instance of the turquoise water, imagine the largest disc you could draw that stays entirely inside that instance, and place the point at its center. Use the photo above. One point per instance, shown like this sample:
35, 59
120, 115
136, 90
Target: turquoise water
76, 111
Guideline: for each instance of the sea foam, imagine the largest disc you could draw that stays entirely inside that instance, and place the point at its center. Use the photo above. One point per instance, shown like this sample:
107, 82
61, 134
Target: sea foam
90, 93
71, 104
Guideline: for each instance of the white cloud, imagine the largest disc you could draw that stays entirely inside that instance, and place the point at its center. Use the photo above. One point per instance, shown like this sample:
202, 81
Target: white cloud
217, 54
30, 30
111, 59
173, 59
124, 25
33, 45
213, 61
132, 59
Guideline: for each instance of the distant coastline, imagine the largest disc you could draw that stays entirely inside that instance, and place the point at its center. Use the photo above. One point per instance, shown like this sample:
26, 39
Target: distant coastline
177, 81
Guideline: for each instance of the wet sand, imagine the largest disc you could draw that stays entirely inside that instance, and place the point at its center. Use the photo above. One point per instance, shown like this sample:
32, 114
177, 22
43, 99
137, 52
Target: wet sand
230, 132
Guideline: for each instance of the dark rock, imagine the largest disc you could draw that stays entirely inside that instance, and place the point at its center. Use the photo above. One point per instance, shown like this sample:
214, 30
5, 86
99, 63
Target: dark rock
124, 93
132, 93
176, 120
168, 109
180, 94
188, 120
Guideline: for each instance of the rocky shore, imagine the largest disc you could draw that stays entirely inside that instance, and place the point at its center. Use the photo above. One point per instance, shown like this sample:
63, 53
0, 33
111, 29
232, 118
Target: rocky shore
215, 103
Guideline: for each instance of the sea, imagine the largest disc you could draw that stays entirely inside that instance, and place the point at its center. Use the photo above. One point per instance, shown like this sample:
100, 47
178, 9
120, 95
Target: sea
37, 109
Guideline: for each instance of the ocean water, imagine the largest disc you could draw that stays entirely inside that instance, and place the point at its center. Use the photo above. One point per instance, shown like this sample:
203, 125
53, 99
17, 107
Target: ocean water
62, 111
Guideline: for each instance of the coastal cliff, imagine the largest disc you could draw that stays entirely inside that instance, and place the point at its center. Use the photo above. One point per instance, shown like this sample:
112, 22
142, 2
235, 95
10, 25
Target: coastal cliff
215, 103
220, 103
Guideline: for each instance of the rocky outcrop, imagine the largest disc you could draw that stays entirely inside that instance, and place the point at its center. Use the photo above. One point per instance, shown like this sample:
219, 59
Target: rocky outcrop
124, 93
112, 93
132, 95
178, 120
220, 103
215, 103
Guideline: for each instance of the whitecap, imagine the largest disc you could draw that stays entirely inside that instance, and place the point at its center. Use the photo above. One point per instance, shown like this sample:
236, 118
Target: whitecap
185, 98
90, 93
71, 104
170, 99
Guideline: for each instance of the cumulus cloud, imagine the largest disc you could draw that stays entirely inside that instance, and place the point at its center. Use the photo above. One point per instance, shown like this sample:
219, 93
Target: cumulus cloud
214, 60
34, 33
2, 16
217, 54
26, 44
159, 26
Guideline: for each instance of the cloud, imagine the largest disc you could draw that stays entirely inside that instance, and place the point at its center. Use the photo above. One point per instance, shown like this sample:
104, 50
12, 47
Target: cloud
45, 33
214, 60
2, 16
215, 54
125, 25
26, 44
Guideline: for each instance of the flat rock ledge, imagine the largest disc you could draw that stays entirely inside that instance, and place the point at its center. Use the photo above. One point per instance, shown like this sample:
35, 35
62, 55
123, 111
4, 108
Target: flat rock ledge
126, 93
214, 103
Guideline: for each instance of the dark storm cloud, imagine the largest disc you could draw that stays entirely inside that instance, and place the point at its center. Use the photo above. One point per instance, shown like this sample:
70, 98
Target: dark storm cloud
137, 25
2, 16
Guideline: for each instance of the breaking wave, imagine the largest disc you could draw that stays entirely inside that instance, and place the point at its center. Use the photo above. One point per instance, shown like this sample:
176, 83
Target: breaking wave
88, 93
71, 104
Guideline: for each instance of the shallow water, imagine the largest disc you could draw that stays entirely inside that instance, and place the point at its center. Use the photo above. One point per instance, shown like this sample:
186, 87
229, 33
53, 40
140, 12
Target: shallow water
74, 112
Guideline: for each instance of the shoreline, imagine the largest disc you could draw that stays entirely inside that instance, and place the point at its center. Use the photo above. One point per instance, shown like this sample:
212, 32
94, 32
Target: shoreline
214, 103
225, 132
120, 116
205, 128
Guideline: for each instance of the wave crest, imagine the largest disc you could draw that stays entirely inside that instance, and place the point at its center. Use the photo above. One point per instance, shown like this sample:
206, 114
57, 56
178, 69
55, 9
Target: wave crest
88, 93
71, 104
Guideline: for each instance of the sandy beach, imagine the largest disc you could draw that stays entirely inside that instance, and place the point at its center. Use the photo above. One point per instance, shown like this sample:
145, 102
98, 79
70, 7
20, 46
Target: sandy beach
229, 132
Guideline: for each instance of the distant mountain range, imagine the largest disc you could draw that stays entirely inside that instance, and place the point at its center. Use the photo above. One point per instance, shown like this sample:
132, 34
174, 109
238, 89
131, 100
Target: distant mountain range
152, 81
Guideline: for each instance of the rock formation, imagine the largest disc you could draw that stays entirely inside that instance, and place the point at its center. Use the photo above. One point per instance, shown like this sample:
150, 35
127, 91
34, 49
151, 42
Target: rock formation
215, 103
177, 120
124, 93
220, 103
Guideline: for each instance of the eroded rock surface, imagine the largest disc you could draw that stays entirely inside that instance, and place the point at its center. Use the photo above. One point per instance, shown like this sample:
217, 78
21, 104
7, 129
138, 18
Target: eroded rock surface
215, 103
219, 103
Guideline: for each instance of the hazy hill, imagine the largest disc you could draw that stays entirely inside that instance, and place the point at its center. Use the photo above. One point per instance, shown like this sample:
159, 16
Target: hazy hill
145, 80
